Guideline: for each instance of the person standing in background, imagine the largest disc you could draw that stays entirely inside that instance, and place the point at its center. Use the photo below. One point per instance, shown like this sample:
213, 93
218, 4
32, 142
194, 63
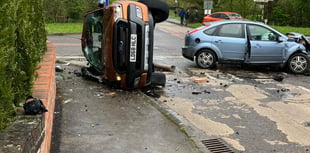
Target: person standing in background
100, 3
196, 15
182, 15
187, 15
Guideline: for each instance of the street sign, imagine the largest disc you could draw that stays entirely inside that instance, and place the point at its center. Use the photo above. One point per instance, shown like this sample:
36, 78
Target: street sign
208, 4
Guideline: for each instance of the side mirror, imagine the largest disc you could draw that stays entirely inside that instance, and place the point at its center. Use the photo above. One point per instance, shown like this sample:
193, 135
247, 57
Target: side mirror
281, 39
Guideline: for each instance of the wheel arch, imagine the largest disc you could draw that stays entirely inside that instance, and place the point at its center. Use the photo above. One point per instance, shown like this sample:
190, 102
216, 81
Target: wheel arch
292, 54
206, 48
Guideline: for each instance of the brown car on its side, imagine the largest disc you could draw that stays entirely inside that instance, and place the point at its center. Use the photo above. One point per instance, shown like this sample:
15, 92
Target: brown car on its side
117, 41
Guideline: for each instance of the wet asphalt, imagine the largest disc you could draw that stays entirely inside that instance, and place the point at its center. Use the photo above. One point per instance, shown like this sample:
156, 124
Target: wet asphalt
96, 118
92, 117
244, 106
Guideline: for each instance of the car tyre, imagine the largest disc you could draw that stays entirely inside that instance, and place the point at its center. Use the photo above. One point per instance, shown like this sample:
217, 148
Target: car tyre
298, 63
159, 9
158, 79
206, 59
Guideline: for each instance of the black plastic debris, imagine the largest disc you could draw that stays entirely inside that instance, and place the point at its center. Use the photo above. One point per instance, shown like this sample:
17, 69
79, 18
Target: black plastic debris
77, 73
59, 68
150, 92
33, 106
196, 92
278, 78
306, 124
207, 92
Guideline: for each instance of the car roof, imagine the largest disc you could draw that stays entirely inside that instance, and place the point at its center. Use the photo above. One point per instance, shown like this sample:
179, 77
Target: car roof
225, 12
214, 23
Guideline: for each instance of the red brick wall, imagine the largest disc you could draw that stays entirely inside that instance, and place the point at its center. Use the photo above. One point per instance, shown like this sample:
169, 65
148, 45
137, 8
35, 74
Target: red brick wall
45, 89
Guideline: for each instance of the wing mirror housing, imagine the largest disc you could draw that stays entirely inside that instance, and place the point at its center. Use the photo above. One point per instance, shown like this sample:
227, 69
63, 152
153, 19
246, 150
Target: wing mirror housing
281, 39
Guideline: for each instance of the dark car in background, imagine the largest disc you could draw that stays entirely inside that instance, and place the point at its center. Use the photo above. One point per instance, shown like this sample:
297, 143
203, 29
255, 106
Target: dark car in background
245, 42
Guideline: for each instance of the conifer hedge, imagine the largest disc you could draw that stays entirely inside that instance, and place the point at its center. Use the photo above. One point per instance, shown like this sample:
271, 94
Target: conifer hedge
22, 43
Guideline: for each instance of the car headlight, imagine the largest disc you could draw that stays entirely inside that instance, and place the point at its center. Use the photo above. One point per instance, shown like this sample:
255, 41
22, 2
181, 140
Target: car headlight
118, 12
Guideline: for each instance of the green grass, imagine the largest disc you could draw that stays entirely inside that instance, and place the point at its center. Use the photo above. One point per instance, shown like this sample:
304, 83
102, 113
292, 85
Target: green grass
54, 28
286, 29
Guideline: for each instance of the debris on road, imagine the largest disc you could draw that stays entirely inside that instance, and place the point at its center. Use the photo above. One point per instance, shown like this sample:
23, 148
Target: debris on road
58, 68
77, 73
68, 101
164, 66
203, 79
278, 78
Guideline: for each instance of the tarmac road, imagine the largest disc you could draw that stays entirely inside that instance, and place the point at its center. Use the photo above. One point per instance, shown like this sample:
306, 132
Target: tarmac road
245, 107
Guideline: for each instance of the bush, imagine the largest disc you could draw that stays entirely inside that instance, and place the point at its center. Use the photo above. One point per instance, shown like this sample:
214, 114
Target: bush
23, 41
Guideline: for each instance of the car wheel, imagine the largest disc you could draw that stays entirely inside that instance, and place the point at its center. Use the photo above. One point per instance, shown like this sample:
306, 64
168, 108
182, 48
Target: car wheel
298, 63
159, 9
206, 59
158, 79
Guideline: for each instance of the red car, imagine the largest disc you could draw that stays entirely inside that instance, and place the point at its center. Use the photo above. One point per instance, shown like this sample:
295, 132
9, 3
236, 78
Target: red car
217, 16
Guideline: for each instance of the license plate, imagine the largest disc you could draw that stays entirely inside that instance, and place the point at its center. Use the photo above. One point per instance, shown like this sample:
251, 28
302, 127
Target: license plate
133, 48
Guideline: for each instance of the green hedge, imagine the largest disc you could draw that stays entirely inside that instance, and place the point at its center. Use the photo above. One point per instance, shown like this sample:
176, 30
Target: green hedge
22, 43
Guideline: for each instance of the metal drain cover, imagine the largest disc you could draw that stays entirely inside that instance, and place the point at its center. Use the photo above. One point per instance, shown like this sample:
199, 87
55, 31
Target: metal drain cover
216, 146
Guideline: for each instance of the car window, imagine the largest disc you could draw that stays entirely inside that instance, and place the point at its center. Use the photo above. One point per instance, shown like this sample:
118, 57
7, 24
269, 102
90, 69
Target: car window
231, 30
215, 15
223, 16
93, 38
235, 16
210, 31
261, 33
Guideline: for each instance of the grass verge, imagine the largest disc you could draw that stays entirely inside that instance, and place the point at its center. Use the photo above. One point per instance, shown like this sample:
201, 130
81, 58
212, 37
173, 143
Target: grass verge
54, 28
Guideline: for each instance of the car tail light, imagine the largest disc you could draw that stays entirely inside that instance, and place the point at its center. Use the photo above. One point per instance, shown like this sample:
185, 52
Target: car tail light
198, 29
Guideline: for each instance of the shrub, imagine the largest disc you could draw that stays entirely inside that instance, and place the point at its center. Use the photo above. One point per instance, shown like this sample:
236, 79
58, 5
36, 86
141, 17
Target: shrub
23, 41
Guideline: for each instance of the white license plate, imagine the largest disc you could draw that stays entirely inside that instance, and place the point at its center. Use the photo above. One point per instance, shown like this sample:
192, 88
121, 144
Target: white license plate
133, 48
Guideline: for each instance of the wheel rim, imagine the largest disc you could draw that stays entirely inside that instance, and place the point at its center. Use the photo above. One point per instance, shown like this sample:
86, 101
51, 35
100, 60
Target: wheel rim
205, 59
298, 64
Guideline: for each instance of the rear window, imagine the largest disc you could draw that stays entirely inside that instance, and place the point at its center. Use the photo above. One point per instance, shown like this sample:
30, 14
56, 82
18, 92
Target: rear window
210, 31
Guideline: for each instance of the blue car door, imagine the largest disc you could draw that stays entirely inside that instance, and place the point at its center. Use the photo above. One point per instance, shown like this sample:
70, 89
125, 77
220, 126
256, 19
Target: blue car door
264, 45
230, 41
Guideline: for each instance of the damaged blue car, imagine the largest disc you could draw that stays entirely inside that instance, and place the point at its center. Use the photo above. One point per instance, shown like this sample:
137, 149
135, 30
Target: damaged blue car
246, 42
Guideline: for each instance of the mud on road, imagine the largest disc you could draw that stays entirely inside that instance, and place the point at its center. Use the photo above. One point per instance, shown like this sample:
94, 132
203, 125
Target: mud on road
248, 108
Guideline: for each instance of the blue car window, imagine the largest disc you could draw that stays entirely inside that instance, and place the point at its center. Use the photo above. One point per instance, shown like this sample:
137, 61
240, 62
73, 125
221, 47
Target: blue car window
261, 33
210, 31
231, 30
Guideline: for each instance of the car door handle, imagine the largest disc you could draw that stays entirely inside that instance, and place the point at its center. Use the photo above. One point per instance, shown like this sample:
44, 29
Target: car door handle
218, 41
257, 46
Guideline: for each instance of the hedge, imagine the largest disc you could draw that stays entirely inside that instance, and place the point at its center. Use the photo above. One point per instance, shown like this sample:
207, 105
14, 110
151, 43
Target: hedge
22, 43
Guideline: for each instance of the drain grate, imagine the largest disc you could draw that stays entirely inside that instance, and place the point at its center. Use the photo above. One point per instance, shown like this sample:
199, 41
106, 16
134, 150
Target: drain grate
216, 146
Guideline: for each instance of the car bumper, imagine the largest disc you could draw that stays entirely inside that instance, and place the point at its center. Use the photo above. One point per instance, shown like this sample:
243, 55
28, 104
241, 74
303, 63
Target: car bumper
188, 53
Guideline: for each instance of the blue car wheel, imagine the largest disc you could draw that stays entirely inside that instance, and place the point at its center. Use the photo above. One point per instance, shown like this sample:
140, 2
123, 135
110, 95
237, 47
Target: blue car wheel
206, 59
298, 63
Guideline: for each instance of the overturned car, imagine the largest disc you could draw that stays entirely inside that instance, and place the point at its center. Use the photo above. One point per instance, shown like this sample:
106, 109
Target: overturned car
117, 41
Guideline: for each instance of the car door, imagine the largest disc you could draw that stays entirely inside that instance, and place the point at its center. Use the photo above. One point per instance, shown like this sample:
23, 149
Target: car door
264, 45
231, 42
